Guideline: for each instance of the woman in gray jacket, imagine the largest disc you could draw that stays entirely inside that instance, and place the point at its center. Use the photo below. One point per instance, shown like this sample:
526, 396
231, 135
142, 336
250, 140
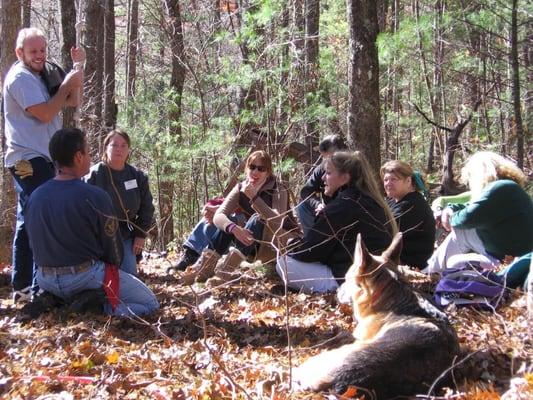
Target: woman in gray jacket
130, 193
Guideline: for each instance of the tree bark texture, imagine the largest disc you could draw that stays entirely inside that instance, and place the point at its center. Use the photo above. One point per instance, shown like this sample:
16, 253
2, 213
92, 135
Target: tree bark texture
429, 89
177, 81
311, 82
133, 43
383, 7
438, 60
471, 78
296, 89
26, 13
363, 80
528, 57
93, 88
10, 23
68, 28
110, 106
448, 184
250, 98
515, 88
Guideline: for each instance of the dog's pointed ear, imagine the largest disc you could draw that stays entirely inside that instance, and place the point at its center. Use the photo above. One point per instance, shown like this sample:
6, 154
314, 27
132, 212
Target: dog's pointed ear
395, 249
362, 258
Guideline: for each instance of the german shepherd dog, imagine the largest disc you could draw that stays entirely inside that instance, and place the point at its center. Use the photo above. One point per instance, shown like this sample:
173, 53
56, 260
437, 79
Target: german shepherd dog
404, 345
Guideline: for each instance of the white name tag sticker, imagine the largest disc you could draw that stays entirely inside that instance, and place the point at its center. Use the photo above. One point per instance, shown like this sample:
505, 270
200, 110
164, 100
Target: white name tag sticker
131, 184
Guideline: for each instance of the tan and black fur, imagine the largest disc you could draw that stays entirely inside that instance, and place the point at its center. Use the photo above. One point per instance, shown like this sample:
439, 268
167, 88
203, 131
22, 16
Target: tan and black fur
403, 343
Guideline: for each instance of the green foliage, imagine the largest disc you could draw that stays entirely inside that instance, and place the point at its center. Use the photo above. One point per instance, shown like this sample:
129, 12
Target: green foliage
218, 75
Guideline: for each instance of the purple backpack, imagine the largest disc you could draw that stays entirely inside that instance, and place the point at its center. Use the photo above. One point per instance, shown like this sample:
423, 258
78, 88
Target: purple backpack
470, 286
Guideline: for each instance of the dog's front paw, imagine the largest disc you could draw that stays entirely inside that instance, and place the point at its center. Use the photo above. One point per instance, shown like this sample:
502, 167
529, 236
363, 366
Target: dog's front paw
305, 379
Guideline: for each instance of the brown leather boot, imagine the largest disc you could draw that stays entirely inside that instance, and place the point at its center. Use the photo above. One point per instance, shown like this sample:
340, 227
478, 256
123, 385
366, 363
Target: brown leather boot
202, 269
227, 268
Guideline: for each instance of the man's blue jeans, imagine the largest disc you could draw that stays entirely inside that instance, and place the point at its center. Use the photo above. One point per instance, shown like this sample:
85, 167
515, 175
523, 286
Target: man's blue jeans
135, 298
22, 274
129, 260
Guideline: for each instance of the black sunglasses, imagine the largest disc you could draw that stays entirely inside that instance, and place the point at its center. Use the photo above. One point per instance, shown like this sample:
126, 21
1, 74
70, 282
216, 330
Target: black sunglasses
260, 168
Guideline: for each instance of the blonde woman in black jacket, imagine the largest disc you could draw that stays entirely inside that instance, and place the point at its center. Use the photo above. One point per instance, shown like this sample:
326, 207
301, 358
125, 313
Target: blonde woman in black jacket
319, 261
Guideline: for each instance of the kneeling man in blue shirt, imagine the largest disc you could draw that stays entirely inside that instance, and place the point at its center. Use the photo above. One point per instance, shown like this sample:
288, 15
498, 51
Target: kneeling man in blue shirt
73, 234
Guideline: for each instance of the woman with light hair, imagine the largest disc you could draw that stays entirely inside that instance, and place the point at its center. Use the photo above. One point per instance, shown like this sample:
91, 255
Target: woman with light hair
318, 262
497, 222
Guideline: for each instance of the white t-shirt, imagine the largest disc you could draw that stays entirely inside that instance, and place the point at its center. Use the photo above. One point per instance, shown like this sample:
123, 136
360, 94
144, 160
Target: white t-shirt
26, 136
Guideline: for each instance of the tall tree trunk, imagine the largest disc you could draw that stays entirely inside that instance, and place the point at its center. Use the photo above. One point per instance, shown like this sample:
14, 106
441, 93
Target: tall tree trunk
250, 98
133, 43
390, 102
296, 89
10, 23
284, 65
110, 106
177, 81
383, 7
363, 80
131, 59
93, 88
471, 76
26, 13
528, 57
515, 88
429, 88
441, 137
68, 27
312, 19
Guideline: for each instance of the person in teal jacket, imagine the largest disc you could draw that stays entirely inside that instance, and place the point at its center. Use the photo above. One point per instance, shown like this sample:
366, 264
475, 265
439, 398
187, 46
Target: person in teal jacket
497, 222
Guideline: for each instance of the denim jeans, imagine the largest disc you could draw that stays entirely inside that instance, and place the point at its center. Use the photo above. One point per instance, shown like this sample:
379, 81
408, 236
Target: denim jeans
222, 240
129, 261
135, 298
201, 236
22, 275
306, 216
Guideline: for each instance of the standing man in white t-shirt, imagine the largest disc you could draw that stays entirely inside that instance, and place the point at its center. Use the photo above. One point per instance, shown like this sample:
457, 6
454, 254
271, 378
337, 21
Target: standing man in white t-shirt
31, 116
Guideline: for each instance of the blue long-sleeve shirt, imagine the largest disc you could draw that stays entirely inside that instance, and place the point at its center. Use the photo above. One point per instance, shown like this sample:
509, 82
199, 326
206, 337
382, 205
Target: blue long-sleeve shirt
71, 222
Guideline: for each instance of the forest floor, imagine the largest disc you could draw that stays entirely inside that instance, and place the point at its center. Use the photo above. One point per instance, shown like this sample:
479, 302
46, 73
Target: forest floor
229, 342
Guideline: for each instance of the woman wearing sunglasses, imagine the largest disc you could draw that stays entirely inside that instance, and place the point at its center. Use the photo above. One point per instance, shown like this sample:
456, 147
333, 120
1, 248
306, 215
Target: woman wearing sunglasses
259, 190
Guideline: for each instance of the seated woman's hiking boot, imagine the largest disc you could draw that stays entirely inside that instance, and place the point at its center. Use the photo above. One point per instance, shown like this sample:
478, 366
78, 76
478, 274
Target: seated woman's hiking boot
202, 269
228, 268
189, 257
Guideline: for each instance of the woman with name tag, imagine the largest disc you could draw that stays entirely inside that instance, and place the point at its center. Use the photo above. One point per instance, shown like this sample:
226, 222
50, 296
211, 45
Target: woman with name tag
130, 193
